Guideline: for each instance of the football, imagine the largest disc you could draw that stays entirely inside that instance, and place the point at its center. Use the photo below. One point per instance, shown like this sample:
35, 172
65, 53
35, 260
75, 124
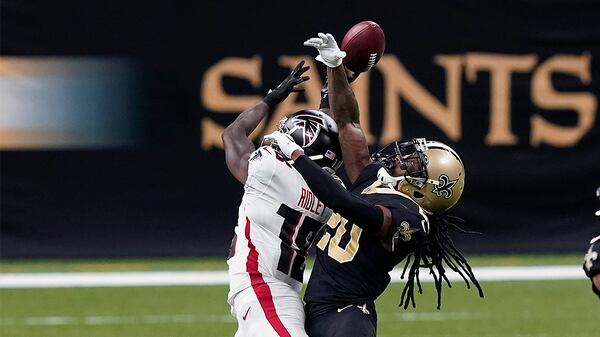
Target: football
364, 44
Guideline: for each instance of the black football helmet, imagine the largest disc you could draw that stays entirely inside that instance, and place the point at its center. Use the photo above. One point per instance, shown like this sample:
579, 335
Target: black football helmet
317, 134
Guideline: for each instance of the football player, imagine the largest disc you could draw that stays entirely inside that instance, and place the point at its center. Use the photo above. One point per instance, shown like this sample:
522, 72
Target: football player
394, 210
591, 261
279, 216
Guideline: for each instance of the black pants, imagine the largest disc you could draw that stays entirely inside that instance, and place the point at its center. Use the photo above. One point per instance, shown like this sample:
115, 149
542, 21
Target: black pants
352, 320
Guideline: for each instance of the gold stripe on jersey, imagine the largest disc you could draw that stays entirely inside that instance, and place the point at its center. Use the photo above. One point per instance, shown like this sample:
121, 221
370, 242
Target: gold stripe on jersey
379, 188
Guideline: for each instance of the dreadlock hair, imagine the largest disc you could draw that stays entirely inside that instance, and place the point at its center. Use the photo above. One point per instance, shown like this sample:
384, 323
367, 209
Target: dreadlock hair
436, 250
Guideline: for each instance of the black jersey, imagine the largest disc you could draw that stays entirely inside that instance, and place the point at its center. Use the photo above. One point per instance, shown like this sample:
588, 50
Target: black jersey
591, 262
353, 266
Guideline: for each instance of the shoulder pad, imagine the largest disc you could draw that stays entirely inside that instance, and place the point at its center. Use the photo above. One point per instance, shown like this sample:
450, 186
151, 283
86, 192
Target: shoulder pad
256, 155
410, 225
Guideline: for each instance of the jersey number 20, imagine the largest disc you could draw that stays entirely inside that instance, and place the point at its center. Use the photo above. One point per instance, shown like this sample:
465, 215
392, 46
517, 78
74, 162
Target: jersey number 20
332, 244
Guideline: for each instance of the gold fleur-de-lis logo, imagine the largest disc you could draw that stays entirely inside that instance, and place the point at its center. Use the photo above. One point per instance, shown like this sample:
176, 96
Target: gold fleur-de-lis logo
406, 231
403, 231
589, 258
444, 189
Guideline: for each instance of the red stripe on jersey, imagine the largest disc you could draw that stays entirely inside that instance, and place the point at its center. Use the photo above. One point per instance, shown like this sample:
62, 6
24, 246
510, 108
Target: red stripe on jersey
266, 148
292, 251
261, 289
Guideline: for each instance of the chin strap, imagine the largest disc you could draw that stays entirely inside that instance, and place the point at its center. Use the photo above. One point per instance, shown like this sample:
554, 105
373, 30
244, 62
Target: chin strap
392, 181
387, 179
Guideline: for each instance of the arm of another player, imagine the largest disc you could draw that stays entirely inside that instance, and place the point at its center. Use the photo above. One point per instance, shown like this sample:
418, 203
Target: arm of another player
374, 219
591, 264
353, 142
236, 141
355, 150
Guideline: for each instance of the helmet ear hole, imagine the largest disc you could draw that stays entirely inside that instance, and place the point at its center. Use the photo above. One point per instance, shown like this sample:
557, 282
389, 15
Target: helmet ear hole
417, 195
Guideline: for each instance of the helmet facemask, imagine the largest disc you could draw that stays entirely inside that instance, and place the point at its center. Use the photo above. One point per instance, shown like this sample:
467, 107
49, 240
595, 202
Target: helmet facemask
411, 158
433, 173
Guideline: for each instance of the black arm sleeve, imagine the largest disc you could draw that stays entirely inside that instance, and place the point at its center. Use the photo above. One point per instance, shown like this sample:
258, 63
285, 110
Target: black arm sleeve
362, 213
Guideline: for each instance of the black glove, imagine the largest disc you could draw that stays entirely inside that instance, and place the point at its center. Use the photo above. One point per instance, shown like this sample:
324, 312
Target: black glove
282, 91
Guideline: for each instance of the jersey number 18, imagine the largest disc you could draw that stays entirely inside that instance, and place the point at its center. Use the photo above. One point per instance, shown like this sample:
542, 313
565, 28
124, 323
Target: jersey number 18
298, 231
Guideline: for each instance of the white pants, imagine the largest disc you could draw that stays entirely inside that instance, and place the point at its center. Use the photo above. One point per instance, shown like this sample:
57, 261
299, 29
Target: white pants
269, 310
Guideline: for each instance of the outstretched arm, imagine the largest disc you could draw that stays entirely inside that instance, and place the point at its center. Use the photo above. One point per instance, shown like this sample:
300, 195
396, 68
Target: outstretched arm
341, 96
236, 141
374, 219
353, 142
355, 150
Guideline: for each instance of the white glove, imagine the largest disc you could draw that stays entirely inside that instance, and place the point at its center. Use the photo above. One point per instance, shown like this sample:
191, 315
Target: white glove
286, 144
329, 52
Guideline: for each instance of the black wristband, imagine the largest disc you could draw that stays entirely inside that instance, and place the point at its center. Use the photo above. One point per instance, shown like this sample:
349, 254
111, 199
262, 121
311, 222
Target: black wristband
270, 101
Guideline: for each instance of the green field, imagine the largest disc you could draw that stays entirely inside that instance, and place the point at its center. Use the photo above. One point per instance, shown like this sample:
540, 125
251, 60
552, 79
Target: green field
520, 309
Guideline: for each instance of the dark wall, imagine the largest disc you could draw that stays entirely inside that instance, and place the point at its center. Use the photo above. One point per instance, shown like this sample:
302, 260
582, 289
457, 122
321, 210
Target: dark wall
172, 196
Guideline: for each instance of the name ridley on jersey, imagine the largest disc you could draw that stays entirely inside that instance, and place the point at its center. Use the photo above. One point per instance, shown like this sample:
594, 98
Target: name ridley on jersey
278, 219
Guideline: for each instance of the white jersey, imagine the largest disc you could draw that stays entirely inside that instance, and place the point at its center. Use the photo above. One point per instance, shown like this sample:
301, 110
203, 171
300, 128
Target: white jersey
279, 218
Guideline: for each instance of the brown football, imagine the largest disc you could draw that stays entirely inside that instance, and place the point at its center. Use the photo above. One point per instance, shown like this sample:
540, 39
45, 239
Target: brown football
364, 44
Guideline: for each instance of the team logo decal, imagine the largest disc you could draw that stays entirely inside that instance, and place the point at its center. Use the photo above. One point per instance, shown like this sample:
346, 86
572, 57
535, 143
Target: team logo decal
444, 189
406, 232
310, 127
257, 155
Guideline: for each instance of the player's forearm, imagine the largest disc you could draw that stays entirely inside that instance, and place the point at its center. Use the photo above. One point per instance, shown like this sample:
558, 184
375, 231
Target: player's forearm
341, 97
364, 214
237, 143
248, 120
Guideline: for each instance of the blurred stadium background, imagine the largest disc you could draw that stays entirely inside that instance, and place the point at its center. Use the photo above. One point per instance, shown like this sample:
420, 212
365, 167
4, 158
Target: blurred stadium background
112, 169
